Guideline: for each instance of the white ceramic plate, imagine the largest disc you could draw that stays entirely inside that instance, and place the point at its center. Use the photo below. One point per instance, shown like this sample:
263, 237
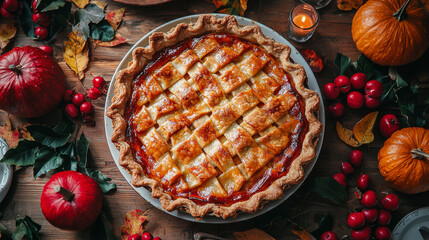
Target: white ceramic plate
408, 227
5, 171
143, 42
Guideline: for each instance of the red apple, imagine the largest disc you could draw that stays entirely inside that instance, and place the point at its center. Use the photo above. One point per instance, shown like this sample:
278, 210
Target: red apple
389, 124
374, 89
358, 80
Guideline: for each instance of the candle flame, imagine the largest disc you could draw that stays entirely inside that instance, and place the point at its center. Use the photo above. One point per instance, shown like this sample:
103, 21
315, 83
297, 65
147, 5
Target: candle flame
303, 19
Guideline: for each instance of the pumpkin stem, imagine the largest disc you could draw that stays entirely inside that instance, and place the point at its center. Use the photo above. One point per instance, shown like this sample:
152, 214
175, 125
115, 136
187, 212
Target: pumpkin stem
67, 195
15, 68
419, 154
401, 14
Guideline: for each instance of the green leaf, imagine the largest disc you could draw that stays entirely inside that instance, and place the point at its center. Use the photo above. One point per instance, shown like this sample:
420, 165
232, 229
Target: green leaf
325, 224
46, 160
102, 31
68, 154
49, 5
400, 82
48, 137
102, 228
21, 155
60, 19
82, 17
26, 20
329, 189
343, 63
103, 181
26, 228
63, 127
82, 149
4, 233
366, 66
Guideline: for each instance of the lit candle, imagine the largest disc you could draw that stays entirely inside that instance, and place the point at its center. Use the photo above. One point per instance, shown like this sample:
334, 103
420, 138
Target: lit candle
303, 20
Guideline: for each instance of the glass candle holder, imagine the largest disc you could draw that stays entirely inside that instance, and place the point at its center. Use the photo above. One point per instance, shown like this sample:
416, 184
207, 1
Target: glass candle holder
303, 21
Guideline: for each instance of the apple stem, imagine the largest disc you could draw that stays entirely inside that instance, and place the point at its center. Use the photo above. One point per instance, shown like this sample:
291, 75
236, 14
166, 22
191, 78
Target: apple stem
419, 154
67, 195
401, 14
15, 68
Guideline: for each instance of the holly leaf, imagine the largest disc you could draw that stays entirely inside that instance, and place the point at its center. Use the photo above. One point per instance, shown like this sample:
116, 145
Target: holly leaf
234, 7
313, 59
48, 137
46, 160
101, 31
26, 229
80, 3
103, 181
362, 131
346, 135
10, 135
365, 65
252, 234
7, 32
343, 63
115, 17
329, 189
21, 155
325, 224
118, 39
134, 223
76, 54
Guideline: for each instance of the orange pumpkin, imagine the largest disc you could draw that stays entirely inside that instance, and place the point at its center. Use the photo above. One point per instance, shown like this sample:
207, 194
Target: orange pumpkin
391, 32
404, 160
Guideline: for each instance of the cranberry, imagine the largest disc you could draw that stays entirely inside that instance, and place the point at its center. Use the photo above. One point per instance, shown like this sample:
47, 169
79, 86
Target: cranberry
361, 234
340, 178
94, 93
372, 102
383, 233
6, 14
331, 91
374, 89
48, 50
35, 5
363, 181
371, 214
329, 235
355, 100
86, 108
355, 158
369, 199
98, 82
43, 19
389, 124
156, 238
11, 5
41, 32
146, 236
78, 99
358, 80
347, 168
390, 202
384, 217
356, 220
68, 95
71, 110
343, 83
336, 109
134, 237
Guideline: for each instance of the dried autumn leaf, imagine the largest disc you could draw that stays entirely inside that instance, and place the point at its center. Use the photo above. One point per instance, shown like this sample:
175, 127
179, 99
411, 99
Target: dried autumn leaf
115, 17
134, 223
25, 134
252, 234
76, 54
7, 32
118, 39
235, 7
346, 135
313, 59
100, 4
10, 135
80, 3
301, 232
363, 129
348, 5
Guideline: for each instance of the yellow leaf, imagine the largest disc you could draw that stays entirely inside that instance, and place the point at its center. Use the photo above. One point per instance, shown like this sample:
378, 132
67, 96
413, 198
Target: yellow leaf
115, 17
118, 39
7, 32
100, 4
76, 54
235, 7
25, 134
80, 3
363, 129
252, 234
301, 232
134, 223
346, 135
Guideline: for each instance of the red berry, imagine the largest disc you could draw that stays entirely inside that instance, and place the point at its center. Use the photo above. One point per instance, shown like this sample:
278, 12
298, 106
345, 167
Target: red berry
94, 93
43, 19
384, 217
331, 91
146, 236
390, 202
389, 124
358, 80
78, 99
355, 158
361, 234
11, 5
134, 237
86, 108
329, 235
156, 238
6, 14
363, 181
374, 88
347, 168
371, 214
98, 82
356, 220
41, 33
71, 110
343, 84
340, 178
369, 199
383, 233
35, 5
68, 95
48, 50
372, 102
355, 100
336, 109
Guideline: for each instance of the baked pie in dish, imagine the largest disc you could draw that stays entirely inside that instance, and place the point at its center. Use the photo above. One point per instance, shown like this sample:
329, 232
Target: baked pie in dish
214, 118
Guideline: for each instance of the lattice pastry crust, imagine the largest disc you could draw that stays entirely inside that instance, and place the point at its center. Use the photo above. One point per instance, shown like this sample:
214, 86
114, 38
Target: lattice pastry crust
197, 157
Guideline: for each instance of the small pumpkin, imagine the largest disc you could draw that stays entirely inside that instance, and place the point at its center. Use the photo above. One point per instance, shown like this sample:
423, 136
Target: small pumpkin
404, 160
391, 32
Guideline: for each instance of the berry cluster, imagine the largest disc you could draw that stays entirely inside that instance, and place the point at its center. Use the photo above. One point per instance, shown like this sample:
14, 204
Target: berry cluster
10, 8
96, 91
145, 236
43, 20
355, 99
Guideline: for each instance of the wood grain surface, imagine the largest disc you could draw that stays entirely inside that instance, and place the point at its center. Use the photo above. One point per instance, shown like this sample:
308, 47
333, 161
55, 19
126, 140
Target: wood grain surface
332, 36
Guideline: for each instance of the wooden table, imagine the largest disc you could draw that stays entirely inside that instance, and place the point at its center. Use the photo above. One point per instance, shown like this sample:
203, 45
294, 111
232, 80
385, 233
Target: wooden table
332, 36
